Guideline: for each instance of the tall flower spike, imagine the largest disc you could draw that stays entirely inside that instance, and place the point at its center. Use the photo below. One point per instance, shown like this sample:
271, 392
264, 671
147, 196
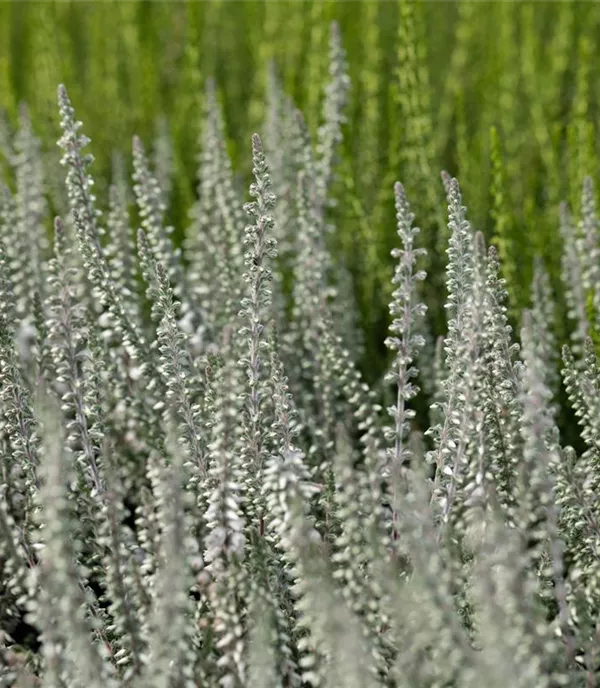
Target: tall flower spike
353, 556
225, 541
30, 238
120, 250
82, 204
79, 182
121, 570
313, 264
261, 248
463, 470
19, 422
116, 322
281, 148
224, 201
176, 365
509, 615
406, 310
459, 271
58, 570
209, 269
459, 282
537, 429
329, 135
152, 209
170, 658
536, 509
123, 331
285, 416
424, 607
501, 391
68, 333
577, 487
331, 644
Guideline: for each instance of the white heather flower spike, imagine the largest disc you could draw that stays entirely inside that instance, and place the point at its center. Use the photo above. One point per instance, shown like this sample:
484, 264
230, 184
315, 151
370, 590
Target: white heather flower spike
79, 183
261, 250
459, 283
406, 311
69, 335
29, 243
169, 659
225, 541
152, 208
330, 136
120, 251
537, 513
177, 370
59, 570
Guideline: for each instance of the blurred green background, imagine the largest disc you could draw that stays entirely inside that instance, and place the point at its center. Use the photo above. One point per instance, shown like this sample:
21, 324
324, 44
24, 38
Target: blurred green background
504, 95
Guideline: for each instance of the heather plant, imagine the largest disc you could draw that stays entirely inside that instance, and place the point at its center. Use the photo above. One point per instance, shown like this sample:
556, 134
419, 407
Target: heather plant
502, 94
199, 486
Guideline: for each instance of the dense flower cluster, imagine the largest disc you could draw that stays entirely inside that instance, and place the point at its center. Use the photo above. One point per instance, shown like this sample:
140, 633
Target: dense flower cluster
198, 487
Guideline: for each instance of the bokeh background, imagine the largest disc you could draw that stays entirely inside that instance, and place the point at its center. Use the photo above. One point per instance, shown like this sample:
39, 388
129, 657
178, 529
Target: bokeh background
504, 95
